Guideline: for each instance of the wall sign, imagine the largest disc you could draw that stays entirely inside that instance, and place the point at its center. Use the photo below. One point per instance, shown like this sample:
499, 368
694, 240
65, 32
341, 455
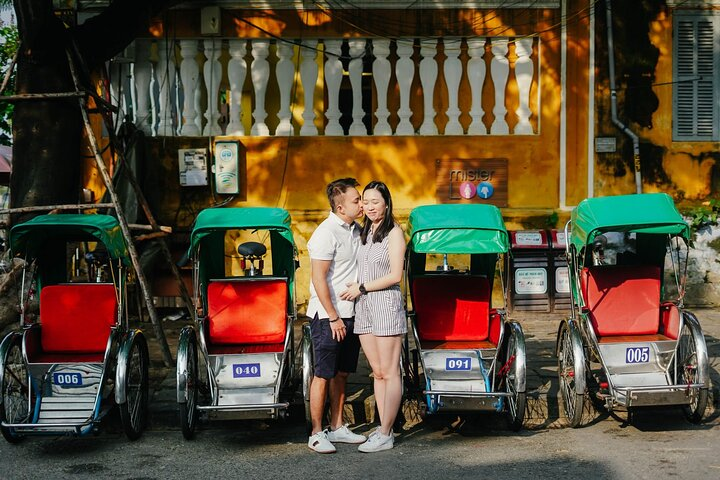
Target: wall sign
530, 280
472, 180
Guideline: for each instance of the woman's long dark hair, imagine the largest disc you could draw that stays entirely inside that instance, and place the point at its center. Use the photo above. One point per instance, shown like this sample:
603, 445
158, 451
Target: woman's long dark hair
388, 222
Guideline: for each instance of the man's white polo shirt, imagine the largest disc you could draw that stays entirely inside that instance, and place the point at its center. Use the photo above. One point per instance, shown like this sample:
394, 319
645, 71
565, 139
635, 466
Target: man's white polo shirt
337, 241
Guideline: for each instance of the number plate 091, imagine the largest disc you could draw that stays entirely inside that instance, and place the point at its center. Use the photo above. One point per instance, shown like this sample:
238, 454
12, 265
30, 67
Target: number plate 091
637, 355
458, 363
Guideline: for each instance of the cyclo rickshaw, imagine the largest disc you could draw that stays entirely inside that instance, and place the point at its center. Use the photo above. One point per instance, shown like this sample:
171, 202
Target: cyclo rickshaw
623, 344
472, 357
62, 374
240, 348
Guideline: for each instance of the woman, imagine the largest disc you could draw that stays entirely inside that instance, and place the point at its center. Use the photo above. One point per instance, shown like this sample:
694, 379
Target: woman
379, 312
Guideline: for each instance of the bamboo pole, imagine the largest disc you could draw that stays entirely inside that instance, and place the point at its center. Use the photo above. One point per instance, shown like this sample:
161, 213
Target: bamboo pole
47, 208
40, 96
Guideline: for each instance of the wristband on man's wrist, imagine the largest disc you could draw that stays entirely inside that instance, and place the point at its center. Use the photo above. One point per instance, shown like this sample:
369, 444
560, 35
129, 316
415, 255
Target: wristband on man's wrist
334, 319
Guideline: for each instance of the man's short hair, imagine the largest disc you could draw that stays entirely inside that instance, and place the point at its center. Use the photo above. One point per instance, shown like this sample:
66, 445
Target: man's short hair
337, 187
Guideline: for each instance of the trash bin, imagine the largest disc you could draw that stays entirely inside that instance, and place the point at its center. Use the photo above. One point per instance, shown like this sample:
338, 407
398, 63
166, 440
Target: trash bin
528, 269
559, 272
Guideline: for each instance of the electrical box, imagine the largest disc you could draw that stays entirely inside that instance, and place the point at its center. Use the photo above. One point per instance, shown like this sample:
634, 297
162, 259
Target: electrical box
227, 178
210, 21
192, 165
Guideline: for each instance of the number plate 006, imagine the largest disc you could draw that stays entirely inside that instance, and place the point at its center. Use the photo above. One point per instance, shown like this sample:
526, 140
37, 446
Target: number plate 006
67, 379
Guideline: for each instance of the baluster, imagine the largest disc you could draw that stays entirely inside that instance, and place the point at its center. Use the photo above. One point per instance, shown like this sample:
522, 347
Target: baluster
404, 71
524, 77
308, 78
333, 78
259, 72
189, 77
355, 70
284, 71
453, 72
381, 75
499, 69
213, 74
166, 80
237, 69
142, 71
428, 76
476, 76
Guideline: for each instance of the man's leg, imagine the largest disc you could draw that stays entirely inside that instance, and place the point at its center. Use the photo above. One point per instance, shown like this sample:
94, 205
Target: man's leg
318, 393
337, 399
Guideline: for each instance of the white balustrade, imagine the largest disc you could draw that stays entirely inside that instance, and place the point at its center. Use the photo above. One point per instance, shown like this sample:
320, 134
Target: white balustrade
381, 75
499, 69
428, 76
333, 78
453, 71
259, 74
142, 71
308, 78
237, 70
165, 76
404, 72
189, 77
284, 71
524, 77
476, 76
212, 72
355, 70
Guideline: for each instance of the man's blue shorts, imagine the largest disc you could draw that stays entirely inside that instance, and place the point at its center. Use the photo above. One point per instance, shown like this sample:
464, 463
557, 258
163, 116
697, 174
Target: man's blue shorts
332, 356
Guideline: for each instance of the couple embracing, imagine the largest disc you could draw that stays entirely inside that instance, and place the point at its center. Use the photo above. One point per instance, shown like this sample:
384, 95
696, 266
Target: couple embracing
355, 300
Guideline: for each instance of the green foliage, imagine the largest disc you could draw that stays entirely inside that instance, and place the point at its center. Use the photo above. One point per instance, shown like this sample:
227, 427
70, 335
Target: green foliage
552, 220
9, 42
703, 216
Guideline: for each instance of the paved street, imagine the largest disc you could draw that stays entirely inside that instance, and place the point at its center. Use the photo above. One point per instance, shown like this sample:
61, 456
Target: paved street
659, 443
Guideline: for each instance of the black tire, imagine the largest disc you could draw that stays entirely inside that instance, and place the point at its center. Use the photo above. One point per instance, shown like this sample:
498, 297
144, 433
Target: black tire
133, 412
514, 361
187, 410
14, 387
573, 401
688, 373
308, 372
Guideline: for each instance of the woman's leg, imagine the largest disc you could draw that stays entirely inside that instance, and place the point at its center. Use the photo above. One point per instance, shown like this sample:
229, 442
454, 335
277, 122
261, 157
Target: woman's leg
388, 351
370, 349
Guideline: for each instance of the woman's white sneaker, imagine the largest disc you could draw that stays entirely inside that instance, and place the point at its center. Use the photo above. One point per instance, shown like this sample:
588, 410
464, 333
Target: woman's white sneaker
377, 442
320, 443
345, 435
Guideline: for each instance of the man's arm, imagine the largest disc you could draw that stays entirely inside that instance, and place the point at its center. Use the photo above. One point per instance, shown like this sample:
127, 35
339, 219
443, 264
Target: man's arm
320, 269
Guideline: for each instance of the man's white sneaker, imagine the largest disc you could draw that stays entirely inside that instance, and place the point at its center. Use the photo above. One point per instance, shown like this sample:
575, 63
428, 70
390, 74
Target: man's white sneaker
377, 442
320, 443
345, 435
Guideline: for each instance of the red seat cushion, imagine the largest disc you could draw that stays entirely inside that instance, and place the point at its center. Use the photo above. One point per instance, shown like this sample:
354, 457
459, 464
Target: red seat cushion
452, 307
623, 300
77, 318
247, 311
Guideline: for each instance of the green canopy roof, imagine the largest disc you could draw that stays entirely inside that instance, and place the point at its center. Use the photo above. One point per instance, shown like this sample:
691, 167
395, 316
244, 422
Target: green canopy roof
640, 213
457, 228
29, 238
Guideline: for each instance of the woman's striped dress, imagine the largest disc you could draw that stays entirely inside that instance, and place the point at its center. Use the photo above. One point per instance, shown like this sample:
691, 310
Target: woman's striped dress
380, 312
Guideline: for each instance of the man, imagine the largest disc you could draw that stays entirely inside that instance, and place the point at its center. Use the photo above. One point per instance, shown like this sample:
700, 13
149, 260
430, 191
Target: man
333, 248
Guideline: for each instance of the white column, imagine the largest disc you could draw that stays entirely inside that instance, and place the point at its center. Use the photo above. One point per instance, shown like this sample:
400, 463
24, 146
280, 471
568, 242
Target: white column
476, 76
428, 76
308, 78
212, 72
453, 72
499, 69
284, 71
355, 70
404, 71
524, 77
142, 71
333, 78
189, 76
237, 70
381, 76
166, 81
259, 73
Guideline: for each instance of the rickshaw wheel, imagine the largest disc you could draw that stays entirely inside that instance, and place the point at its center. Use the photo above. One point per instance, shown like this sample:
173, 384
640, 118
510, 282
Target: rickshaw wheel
308, 373
15, 388
188, 409
133, 412
688, 373
514, 361
568, 369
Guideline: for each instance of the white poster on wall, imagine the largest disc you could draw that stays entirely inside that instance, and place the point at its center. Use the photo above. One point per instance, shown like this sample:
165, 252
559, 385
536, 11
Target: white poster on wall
562, 281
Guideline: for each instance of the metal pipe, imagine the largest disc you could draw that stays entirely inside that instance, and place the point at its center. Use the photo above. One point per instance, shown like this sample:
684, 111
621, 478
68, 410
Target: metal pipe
613, 99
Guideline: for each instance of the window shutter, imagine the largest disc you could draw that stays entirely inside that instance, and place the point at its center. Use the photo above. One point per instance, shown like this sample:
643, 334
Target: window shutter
694, 108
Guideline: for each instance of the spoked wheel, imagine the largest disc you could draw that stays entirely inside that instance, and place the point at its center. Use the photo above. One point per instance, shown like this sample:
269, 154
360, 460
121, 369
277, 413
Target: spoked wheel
688, 372
571, 372
513, 371
187, 382
308, 372
15, 386
134, 377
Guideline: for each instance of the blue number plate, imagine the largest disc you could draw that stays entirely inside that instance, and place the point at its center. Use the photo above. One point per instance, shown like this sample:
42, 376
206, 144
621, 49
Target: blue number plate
637, 355
244, 370
67, 379
453, 364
